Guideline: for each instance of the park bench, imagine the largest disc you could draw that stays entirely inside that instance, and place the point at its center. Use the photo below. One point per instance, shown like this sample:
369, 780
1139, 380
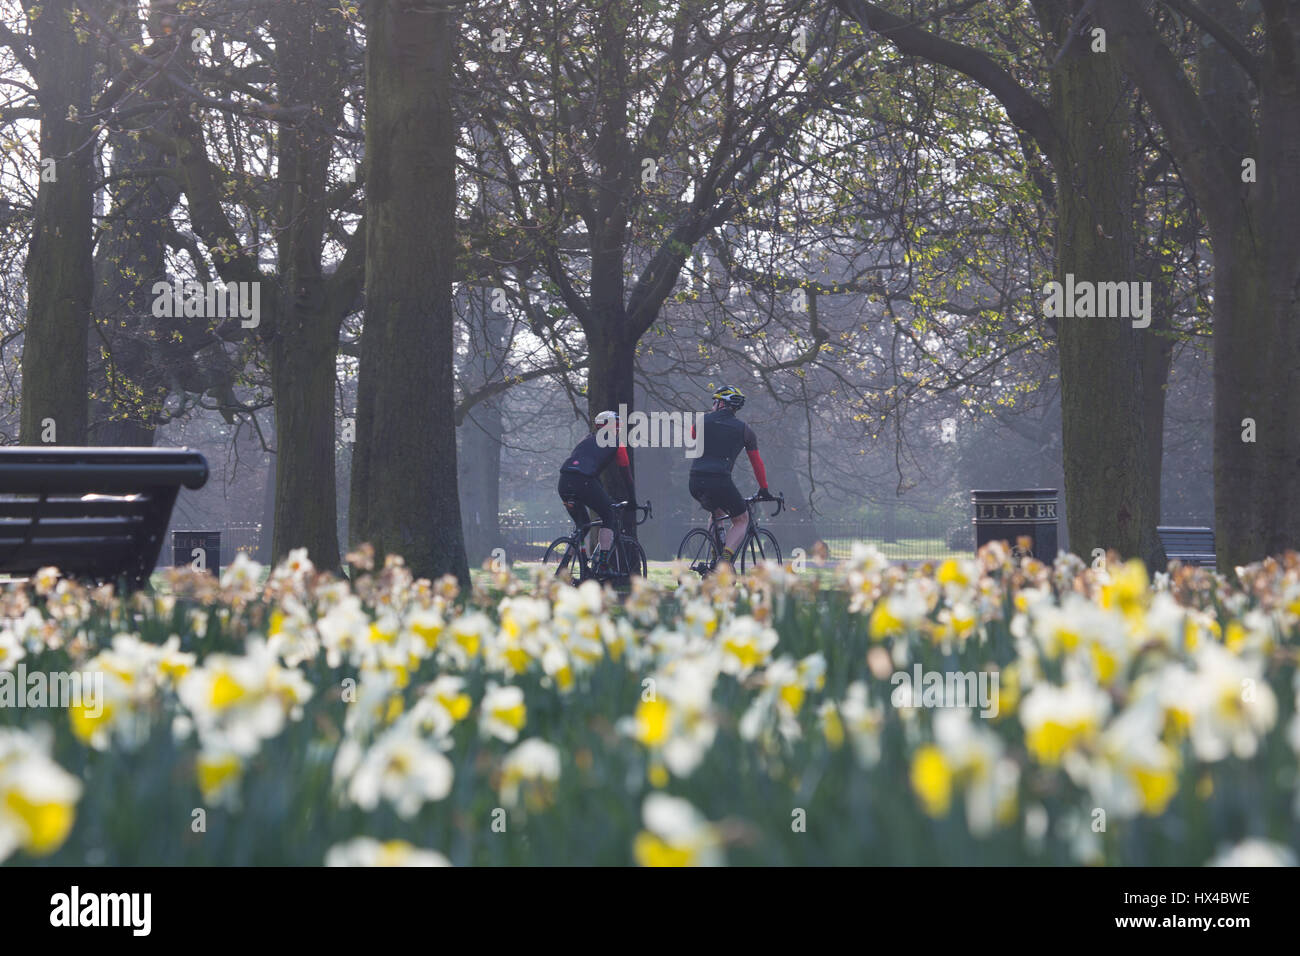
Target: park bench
1193, 546
97, 514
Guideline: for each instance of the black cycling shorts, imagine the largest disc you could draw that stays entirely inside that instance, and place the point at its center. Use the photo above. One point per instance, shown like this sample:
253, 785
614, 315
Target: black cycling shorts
715, 491
579, 492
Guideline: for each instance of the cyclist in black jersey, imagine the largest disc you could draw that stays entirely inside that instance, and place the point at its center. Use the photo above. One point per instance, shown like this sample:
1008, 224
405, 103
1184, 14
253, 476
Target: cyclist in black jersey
711, 485
580, 486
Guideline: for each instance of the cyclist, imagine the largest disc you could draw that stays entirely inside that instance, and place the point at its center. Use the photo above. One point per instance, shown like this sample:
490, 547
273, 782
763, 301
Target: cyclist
580, 486
711, 485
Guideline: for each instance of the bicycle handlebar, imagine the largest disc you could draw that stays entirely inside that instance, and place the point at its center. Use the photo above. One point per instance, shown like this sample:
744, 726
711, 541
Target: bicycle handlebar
647, 513
779, 499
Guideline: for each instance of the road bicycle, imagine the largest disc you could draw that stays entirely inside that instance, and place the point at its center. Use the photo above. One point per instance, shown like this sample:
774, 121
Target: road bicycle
703, 547
569, 557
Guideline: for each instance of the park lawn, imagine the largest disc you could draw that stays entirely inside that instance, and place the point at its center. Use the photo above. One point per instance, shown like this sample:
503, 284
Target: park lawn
909, 549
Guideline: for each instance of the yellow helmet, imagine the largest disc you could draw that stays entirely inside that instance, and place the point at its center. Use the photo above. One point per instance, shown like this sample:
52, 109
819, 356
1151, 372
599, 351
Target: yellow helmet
730, 395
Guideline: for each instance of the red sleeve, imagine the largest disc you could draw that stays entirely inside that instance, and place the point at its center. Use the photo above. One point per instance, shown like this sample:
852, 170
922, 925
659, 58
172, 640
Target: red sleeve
756, 460
620, 456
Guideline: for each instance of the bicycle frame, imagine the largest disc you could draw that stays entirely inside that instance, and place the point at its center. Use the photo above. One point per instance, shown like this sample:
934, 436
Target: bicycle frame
751, 530
579, 536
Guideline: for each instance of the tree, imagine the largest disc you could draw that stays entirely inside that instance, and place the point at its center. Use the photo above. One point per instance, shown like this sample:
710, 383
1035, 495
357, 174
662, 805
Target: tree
404, 496
1240, 156
1081, 130
633, 133
60, 265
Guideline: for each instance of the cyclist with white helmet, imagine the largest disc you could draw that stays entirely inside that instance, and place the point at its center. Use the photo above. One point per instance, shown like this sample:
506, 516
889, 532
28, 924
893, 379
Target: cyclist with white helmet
580, 486
711, 484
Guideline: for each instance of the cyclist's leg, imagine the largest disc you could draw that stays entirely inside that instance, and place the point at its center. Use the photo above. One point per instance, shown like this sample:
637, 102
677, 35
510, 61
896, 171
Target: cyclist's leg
732, 502
715, 526
597, 498
571, 493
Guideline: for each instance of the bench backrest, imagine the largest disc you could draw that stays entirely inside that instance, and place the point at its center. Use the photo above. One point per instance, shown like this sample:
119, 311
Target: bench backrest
96, 513
1191, 545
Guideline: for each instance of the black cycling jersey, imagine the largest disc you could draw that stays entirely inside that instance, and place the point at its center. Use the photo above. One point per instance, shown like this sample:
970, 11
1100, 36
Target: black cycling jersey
725, 436
589, 458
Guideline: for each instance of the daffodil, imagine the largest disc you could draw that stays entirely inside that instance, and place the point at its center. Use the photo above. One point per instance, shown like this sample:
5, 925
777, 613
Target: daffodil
675, 834
1057, 719
38, 798
502, 713
364, 851
400, 768
532, 767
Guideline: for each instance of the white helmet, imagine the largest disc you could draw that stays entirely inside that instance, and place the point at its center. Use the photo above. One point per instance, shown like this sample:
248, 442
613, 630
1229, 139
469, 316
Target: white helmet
606, 416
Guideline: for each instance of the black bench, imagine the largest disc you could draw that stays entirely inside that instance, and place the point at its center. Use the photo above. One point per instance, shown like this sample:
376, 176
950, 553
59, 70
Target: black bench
1193, 546
94, 513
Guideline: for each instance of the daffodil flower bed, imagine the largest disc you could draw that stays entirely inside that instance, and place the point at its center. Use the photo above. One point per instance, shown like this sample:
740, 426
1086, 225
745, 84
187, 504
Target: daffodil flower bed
298, 718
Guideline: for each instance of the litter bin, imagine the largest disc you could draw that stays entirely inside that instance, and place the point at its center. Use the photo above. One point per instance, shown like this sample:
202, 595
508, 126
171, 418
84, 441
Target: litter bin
1009, 515
201, 550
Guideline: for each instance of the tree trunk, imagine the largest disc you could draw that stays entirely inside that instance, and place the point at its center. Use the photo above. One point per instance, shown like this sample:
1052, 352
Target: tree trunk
126, 387
305, 334
60, 268
1256, 309
266, 537
1213, 133
481, 490
1257, 377
1108, 485
302, 377
1156, 359
404, 489
483, 429
610, 383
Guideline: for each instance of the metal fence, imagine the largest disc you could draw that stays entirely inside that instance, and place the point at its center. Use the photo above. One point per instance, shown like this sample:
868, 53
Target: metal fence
239, 538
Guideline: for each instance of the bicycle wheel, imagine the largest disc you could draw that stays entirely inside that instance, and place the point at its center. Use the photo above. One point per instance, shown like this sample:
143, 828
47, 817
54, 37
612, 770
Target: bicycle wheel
698, 550
635, 558
563, 557
625, 560
760, 547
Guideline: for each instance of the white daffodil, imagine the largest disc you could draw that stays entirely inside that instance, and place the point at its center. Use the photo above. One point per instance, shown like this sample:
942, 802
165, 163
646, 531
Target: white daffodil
863, 722
502, 713
243, 700
1232, 704
534, 766
344, 627
1132, 770
675, 834
38, 798
1057, 719
1254, 852
241, 579
745, 644
364, 851
402, 769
